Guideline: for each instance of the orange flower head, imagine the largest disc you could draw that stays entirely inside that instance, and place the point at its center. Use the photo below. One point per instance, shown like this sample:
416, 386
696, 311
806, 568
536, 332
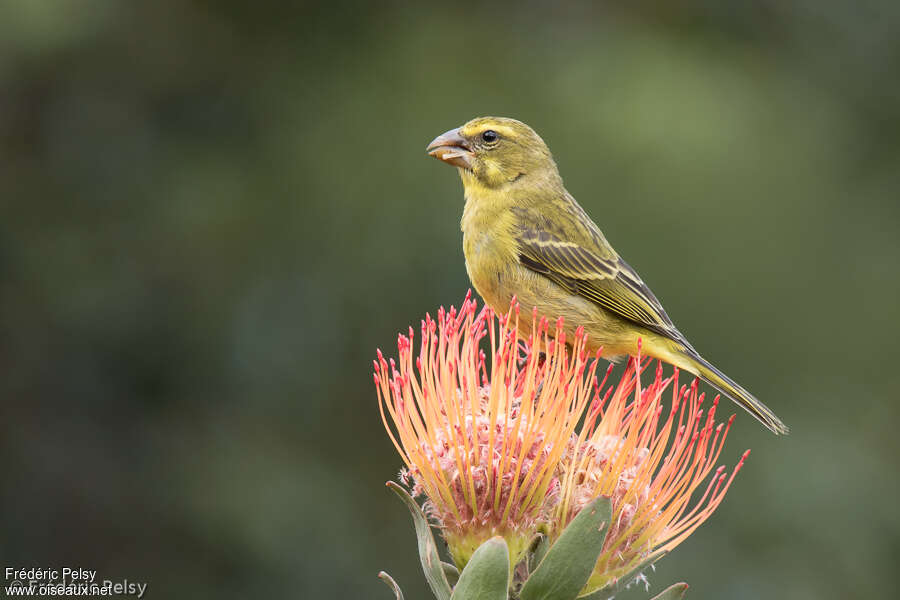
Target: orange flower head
651, 462
483, 433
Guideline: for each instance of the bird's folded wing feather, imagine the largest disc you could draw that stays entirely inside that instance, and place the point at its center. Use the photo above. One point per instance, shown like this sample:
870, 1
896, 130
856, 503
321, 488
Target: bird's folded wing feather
597, 274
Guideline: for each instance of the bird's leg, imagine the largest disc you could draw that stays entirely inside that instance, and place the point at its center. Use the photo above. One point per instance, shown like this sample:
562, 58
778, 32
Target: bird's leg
525, 350
524, 353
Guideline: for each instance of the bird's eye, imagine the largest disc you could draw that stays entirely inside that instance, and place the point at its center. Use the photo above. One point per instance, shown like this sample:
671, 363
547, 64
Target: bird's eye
490, 136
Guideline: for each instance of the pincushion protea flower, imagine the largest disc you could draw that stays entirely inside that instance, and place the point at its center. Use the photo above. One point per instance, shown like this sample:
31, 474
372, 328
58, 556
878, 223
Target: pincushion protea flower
649, 465
483, 445
491, 439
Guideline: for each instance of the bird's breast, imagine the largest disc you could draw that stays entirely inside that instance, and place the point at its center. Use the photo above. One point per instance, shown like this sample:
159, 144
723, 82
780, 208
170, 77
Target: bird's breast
491, 251
487, 262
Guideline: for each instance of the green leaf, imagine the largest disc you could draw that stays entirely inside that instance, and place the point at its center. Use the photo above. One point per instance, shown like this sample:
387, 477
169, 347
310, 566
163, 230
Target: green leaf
571, 559
451, 572
428, 552
613, 588
486, 576
389, 581
673, 592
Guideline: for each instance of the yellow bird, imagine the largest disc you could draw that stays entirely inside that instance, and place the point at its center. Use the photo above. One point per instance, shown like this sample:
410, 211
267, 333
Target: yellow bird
524, 235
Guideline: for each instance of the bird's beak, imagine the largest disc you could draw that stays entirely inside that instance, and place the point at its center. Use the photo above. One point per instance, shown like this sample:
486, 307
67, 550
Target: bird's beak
451, 148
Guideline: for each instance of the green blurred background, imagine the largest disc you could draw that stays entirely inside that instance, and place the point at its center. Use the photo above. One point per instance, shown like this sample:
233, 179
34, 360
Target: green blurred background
214, 212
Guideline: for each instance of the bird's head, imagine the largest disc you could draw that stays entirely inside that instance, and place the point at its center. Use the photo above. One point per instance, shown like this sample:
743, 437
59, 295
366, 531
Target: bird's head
494, 152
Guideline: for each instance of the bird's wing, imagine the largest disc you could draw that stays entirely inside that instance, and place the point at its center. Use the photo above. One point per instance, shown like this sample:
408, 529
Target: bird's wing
597, 274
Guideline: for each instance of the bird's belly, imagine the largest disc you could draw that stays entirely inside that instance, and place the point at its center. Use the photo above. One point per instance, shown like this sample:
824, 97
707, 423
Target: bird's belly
497, 286
493, 284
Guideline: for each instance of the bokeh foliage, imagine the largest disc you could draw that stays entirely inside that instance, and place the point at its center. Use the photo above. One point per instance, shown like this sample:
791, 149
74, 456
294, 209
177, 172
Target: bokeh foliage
213, 212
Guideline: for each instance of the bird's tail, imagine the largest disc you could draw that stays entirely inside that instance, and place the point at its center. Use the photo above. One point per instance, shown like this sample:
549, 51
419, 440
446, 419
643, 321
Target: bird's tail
719, 380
